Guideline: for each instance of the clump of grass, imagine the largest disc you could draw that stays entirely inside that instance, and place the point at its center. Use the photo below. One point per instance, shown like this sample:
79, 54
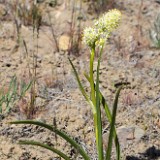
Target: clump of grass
94, 37
36, 22
10, 95
23, 13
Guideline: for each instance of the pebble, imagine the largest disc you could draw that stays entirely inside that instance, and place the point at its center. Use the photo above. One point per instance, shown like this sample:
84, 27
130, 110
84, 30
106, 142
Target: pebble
64, 42
129, 133
3, 11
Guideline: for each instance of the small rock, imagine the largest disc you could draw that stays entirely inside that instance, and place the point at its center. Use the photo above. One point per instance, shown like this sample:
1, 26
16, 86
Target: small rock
64, 42
3, 10
138, 133
128, 133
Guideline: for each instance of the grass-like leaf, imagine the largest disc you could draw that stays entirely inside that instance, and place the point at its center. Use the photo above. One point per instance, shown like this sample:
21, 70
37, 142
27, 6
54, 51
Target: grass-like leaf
34, 143
58, 132
111, 133
81, 87
25, 87
109, 117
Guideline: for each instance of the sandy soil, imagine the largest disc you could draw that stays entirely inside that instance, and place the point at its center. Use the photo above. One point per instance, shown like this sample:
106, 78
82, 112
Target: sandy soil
129, 55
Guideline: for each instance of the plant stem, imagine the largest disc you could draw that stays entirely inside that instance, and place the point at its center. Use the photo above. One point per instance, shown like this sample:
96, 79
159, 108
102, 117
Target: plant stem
93, 99
99, 138
92, 77
109, 116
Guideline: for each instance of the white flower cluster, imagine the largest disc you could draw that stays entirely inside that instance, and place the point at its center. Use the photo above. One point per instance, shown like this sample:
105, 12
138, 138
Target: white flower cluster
102, 28
91, 35
109, 21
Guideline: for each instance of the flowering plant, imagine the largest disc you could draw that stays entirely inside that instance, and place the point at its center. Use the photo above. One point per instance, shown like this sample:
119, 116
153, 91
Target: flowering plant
97, 36
92, 36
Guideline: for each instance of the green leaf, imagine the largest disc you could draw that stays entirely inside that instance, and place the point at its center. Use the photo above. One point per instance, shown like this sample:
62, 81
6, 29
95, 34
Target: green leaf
81, 87
1, 102
58, 132
25, 87
111, 133
34, 143
109, 117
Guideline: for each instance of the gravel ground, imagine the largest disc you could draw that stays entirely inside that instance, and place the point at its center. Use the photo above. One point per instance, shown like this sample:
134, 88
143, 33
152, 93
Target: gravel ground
129, 56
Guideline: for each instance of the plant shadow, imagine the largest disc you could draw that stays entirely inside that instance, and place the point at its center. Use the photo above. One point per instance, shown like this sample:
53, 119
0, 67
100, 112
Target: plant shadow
150, 154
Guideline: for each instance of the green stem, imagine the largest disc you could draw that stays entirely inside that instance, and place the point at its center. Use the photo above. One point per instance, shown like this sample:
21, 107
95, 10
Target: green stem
109, 116
92, 77
93, 99
99, 138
